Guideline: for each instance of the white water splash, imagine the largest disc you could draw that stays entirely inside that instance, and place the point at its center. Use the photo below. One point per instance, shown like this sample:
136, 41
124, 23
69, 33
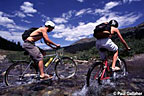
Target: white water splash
94, 89
82, 92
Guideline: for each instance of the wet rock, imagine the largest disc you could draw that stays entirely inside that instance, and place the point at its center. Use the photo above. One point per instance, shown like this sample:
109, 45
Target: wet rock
134, 86
55, 92
140, 80
2, 57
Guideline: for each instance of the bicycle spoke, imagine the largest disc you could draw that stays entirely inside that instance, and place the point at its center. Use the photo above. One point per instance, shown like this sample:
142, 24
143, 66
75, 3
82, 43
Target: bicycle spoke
65, 68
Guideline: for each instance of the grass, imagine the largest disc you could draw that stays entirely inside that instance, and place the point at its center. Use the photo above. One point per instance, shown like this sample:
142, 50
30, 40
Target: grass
136, 45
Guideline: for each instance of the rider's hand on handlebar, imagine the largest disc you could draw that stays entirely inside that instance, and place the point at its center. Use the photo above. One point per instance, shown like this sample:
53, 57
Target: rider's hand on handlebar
57, 46
128, 49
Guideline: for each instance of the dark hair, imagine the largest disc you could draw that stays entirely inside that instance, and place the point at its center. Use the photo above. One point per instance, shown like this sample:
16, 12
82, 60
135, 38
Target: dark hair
113, 23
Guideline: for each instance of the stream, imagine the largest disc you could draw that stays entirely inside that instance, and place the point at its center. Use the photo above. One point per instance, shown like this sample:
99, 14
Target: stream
132, 84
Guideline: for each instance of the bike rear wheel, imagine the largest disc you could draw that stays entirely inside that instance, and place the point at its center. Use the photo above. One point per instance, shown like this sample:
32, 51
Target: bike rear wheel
65, 68
94, 74
19, 73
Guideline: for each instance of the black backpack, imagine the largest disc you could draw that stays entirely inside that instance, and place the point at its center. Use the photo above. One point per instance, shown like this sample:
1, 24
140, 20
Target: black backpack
99, 30
27, 33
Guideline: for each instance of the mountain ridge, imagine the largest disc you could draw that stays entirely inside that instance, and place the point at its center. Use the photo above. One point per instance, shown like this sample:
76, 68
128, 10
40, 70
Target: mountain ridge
136, 32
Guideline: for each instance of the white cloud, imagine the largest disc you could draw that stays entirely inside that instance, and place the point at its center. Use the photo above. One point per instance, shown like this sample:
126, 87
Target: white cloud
9, 23
30, 15
74, 33
68, 32
107, 14
60, 20
107, 7
80, 0
5, 20
27, 7
123, 20
129, 1
26, 21
128, 19
20, 14
83, 11
16, 36
83, 30
68, 14
81, 23
80, 12
26, 10
44, 17
111, 5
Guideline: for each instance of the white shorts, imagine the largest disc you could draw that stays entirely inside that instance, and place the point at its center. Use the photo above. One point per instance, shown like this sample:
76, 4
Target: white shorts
106, 43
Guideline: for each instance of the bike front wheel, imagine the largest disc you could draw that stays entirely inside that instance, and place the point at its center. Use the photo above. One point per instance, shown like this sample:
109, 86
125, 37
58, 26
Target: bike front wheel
123, 68
65, 68
19, 73
94, 74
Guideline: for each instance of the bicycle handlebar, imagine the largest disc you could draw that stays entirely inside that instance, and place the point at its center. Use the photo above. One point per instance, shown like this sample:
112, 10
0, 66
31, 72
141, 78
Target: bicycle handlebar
124, 50
58, 48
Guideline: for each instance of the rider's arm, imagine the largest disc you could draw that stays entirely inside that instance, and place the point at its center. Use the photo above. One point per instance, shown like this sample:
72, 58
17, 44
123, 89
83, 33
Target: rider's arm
47, 40
121, 38
50, 45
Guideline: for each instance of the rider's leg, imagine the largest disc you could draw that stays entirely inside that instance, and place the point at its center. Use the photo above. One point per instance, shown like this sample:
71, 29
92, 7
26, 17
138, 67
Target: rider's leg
36, 55
40, 64
42, 74
114, 61
39, 58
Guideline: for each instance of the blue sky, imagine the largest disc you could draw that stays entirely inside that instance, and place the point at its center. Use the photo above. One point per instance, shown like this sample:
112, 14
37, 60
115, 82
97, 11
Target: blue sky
74, 19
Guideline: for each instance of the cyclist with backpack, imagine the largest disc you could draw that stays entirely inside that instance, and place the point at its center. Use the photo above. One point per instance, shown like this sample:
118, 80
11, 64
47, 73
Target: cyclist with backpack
31, 36
103, 32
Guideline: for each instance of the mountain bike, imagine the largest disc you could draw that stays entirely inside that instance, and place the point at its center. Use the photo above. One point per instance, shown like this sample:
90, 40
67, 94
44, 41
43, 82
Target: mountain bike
23, 72
100, 72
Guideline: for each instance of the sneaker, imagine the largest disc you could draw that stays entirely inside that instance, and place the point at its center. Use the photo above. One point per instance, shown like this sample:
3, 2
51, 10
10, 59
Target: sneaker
115, 68
46, 76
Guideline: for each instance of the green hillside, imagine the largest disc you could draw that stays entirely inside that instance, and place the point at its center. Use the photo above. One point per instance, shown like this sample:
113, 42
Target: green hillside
134, 36
8, 45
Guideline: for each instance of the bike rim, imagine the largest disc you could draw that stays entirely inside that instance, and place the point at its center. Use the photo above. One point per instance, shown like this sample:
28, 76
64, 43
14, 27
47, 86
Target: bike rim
65, 68
15, 76
94, 74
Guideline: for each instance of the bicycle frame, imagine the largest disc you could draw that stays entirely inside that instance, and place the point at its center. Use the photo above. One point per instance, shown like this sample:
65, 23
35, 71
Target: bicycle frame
106, 67
64, 68
27, 67
54, 59
101, 71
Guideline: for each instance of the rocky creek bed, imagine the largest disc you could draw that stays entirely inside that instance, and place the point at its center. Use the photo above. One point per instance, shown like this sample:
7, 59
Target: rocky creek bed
133, 84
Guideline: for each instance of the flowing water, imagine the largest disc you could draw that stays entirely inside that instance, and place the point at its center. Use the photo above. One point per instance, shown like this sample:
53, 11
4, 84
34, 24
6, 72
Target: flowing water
76, 86
83, 92
94, 89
